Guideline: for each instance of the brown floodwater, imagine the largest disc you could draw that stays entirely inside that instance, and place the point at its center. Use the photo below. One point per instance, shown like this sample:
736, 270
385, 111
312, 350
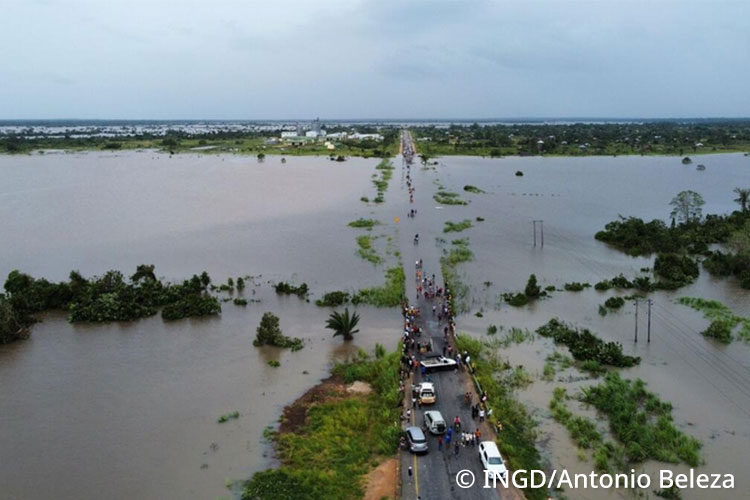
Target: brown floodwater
707, 382
130, 410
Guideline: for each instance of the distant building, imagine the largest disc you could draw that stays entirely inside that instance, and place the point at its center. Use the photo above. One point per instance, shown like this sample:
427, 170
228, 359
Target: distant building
364, 137
288, 134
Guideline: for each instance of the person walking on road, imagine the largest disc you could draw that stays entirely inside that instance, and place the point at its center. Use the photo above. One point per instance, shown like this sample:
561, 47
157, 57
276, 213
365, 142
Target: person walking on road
481, 415
410, 472
456, 449
440, 443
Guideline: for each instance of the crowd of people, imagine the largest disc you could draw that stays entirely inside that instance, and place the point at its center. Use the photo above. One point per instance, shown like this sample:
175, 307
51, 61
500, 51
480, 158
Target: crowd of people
439, 306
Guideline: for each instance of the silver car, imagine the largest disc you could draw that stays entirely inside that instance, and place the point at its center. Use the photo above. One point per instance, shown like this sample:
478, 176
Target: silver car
416, 440
434, 422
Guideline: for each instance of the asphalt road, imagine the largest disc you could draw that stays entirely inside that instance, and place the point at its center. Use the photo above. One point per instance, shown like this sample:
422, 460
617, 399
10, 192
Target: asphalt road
434, 474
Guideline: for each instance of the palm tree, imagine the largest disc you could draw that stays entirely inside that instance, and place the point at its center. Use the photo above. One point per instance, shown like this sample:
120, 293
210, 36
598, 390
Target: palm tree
343, 324
743, 196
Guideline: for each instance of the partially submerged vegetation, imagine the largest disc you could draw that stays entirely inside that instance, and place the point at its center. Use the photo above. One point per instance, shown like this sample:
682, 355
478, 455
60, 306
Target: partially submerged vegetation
269, 333
110, 297
364, 223
689, 235
343, 433
586, 347
367, 250
473, 189
641, 421
532, 292
457, 227
385, 167
575, 286
451, 258
723, 320
449, 198
229, 416
285, 288
583, 430
390, 294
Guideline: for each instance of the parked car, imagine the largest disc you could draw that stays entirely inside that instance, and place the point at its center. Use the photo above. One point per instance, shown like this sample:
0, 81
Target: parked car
434, 422
491, 458
426, 393
416, 440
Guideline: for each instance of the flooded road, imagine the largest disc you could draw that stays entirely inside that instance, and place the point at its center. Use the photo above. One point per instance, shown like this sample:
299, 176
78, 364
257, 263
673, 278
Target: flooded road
707, 382
131, 409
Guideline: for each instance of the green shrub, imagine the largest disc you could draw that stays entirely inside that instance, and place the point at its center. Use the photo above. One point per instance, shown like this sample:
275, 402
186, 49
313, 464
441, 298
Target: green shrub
614, 302
532, 290
269, 333
720, 330
585, 346
575, 286
289, 289
516, 299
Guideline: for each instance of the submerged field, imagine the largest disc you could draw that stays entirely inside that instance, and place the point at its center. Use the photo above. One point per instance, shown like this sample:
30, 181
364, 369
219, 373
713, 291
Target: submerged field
132, 409
705, 380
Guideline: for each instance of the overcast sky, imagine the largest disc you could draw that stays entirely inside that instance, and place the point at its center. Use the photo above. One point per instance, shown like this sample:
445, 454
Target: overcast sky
373, 59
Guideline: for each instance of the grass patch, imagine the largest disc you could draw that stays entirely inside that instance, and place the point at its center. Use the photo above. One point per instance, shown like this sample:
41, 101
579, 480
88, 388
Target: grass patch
457, 227
642, 422
449, 198
240, 301
364, 223
473, 189
366, 249
583, 431
459, 252
723, 319
274, 363
381, 184
390, 294
342, 437
333, 299
516, 336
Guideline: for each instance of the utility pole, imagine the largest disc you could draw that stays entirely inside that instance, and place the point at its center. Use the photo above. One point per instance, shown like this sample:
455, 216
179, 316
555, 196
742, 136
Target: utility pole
541, 228
541, 223
636, 321
649, 319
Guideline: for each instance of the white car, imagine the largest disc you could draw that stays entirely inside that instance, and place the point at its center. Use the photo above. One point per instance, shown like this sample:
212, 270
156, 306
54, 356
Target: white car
491, 458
